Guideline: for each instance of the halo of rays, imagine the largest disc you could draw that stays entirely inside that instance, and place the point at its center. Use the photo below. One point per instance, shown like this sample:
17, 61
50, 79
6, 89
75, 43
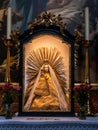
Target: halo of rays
37, 58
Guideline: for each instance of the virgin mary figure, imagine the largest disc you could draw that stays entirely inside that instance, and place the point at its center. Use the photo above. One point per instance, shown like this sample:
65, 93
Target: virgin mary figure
45, 92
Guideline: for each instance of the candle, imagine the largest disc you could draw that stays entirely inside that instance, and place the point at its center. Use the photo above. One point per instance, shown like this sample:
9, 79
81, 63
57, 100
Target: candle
86, 23
9, 20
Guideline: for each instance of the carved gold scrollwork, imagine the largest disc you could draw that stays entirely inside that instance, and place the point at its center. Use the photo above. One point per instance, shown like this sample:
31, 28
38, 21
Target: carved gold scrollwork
47, 19
78, 41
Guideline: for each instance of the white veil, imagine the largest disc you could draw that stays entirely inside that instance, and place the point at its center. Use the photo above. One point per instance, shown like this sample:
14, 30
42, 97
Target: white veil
31, 96
62, 101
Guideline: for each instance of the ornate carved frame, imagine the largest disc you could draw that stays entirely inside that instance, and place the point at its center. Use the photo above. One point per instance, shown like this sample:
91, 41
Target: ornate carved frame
51, 25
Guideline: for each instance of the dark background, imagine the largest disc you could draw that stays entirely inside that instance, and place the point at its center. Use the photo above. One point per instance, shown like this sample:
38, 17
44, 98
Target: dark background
72, 12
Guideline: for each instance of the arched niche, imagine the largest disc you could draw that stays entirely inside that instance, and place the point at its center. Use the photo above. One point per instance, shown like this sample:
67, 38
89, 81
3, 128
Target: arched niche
46, 68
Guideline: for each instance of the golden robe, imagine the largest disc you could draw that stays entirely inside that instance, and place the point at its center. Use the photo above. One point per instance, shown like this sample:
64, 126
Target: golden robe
46, 97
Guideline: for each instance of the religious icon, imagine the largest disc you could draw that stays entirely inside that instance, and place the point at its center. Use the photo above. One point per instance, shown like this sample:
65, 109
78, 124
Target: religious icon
45, 74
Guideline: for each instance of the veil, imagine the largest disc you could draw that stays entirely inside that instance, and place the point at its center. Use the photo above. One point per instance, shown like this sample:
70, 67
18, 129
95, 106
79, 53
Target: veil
56, 70
62, 100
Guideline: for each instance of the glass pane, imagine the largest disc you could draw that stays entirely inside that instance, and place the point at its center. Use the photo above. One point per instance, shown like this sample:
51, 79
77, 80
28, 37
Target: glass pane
46, 74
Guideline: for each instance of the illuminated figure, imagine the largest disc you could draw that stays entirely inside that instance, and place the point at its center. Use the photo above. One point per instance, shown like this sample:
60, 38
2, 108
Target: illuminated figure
45, 92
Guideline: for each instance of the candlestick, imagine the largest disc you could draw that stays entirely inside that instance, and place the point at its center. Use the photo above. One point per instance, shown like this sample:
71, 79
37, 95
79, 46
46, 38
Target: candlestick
86, 23
87, 44
9, 20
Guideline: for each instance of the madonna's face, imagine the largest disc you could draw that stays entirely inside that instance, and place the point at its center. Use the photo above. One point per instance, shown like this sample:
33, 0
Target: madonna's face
46, 68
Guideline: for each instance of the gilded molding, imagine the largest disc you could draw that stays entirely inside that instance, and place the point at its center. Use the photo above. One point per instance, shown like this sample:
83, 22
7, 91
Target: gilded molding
47, 19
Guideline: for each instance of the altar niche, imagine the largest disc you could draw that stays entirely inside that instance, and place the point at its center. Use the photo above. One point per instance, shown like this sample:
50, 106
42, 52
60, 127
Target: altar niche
46, 76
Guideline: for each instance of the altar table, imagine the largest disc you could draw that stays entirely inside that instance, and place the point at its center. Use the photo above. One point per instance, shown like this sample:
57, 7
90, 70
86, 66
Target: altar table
48, 123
